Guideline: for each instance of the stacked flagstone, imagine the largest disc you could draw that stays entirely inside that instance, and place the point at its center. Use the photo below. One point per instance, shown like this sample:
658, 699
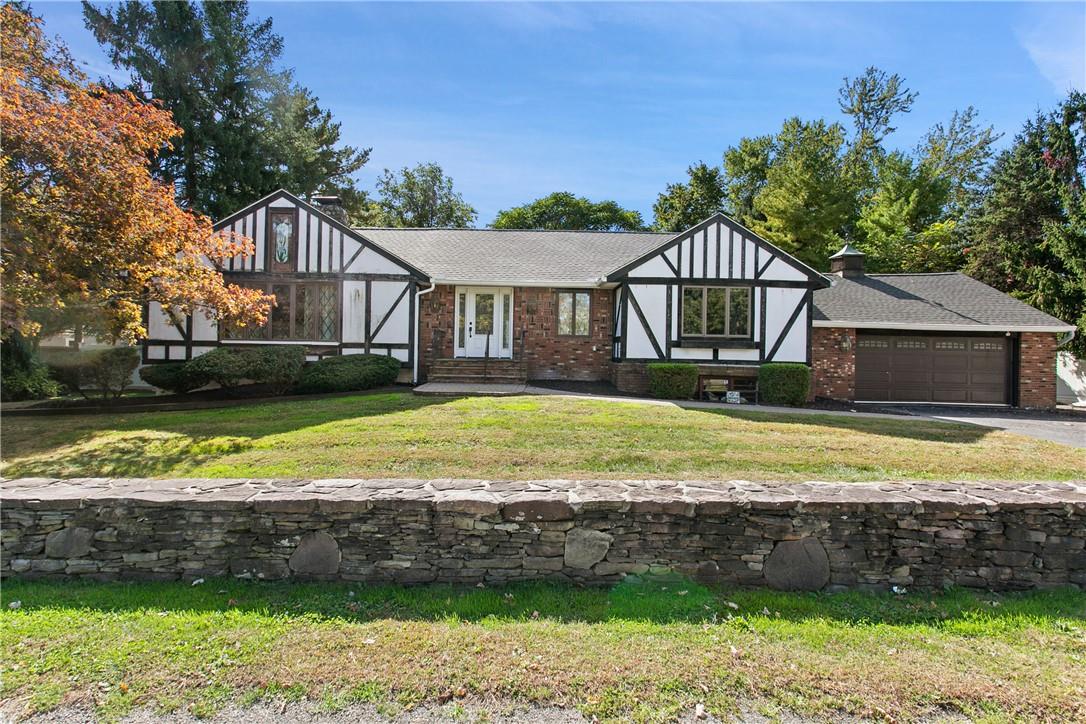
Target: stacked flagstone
805, 536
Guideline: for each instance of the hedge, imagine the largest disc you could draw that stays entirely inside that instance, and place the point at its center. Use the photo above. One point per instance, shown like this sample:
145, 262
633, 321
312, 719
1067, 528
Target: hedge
176, 377
278, 366
784, 383
672, 380
106, 371
349, 372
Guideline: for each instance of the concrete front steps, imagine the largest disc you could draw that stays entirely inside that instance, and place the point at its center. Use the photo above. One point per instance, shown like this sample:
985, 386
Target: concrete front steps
475, 371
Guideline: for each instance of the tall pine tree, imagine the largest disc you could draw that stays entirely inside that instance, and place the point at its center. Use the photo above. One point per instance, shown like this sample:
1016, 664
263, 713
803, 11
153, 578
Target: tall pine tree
248, 127
1029, 238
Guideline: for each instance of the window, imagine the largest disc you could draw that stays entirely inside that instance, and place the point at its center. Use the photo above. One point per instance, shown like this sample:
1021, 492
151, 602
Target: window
461, 316
282, 241
716, 312
507, 304
573, 313
303, 311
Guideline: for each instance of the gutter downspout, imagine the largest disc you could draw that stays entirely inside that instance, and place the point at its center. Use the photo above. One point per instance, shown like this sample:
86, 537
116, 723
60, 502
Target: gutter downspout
415, 331
1065, 338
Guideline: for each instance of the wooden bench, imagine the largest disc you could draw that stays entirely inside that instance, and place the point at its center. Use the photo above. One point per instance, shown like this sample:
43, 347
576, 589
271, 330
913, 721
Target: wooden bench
716, 386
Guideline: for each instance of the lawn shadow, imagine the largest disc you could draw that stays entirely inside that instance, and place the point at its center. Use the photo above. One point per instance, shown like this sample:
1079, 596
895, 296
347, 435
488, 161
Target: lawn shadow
165, 440
660, 600
912, 429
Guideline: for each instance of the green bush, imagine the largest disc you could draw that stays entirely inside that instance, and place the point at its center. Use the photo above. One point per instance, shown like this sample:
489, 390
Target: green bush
673, 380
22, 375
784, 383
277, 366
349, 372
105, 371
176, 377
225, 366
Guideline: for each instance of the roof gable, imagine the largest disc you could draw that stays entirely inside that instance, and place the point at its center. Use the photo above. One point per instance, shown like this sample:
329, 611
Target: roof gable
284, 195
773, 252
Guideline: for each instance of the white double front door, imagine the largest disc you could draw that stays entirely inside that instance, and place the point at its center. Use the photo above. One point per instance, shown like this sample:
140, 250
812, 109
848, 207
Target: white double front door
484, 325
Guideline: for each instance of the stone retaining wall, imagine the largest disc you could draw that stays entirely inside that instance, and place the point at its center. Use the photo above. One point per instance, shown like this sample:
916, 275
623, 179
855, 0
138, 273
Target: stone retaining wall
799, 536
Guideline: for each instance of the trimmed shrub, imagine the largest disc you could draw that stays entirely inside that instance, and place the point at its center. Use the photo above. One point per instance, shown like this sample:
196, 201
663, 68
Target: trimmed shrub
22, 375
349, 372
225, 366
672, 380
176, 377
277, 366
784, 383
105, 371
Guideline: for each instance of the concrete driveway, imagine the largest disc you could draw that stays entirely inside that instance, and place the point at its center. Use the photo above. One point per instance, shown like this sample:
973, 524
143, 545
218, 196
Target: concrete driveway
1065, 428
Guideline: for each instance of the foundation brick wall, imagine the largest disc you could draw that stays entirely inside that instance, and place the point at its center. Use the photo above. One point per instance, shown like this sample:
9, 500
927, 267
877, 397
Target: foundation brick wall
833, 370
1037, 370
805, 536
630, 377
633, 377
546, 354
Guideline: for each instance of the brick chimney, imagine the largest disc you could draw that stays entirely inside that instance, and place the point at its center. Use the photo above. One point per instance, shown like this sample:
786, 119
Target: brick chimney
848, 262
333, 206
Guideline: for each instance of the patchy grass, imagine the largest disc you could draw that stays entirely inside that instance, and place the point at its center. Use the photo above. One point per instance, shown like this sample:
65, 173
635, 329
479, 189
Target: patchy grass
400, 435
644, 650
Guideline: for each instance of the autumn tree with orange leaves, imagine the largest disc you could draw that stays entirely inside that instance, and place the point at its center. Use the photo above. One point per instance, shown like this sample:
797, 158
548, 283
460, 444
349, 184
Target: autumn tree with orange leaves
88, 237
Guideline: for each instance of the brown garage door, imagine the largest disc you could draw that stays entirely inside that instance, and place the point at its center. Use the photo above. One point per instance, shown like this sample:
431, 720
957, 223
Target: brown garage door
892, 368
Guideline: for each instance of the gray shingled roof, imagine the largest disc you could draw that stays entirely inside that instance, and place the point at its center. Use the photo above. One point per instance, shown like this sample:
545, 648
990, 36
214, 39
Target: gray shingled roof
925, 300
515, 256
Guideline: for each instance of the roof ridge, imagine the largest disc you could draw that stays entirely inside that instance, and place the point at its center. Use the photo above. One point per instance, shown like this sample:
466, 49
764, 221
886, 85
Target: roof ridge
918, 274
546, 231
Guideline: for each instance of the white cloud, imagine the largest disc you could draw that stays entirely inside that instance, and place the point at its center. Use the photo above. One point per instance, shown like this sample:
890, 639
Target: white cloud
1056, 43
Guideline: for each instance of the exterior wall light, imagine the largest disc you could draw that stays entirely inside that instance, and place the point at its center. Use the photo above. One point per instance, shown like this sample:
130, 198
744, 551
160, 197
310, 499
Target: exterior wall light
846, 343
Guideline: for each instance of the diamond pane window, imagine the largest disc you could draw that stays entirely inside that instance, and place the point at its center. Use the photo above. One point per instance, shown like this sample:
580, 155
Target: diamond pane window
303, 312
327, 312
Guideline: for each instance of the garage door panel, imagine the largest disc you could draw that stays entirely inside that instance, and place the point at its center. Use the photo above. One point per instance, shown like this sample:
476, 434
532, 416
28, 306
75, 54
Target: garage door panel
911, 377
951, 377
922, 368
947, 394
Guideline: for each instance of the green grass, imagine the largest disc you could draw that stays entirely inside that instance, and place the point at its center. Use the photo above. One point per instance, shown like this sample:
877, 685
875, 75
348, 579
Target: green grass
400, 435
643, 650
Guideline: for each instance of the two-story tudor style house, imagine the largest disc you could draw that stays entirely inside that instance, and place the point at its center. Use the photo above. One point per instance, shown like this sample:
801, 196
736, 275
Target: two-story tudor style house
598, 306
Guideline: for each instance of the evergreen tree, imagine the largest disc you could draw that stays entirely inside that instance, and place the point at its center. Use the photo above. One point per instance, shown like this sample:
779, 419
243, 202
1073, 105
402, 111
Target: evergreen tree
247, 127
746, 167
806, 200
1029, 238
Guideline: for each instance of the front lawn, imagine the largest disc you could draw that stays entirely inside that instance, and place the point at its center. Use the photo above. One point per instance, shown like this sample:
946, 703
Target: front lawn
644, 650
400, 435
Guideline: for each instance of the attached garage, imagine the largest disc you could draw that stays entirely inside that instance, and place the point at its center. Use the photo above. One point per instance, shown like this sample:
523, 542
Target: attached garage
942, 338
925, 368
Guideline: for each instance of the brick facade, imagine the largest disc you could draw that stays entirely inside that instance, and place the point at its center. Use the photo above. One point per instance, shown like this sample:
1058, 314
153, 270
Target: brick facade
551, 356
833, 370
630, 377
1037, 370
547, 355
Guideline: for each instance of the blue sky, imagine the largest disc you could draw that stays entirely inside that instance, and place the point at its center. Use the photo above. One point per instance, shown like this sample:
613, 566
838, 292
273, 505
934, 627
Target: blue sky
616, 100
